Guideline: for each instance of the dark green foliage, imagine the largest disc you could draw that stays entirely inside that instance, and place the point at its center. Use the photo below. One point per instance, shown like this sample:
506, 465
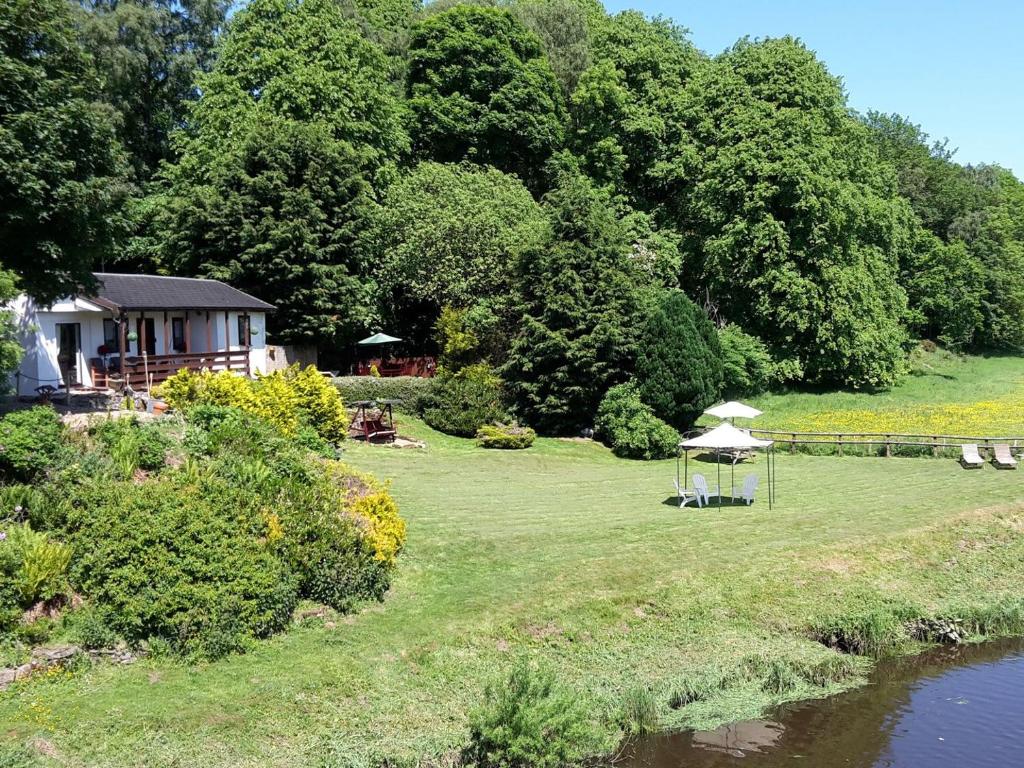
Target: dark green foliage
61, 169
91, 627
450, 235
168, 560
32, 442
581, 303
480, 88
408, 392
795, 228
10, 346
147, 54
504, 436
747, 367
529, 721
460, 403
143, 446
627, 107
679, 373
629, 427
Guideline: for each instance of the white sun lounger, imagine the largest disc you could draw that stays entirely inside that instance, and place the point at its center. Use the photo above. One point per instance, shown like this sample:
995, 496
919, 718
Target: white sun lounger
1002, 457
970, 457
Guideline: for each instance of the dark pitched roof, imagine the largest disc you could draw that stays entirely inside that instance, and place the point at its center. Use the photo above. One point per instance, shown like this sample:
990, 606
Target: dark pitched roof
153, 292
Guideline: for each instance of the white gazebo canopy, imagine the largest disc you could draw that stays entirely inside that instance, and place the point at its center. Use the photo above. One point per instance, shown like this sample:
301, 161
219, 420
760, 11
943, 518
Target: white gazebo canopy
733, 410
725, 437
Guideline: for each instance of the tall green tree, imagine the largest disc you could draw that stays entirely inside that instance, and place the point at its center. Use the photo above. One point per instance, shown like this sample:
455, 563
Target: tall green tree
148, 54
62, 172
564, 34
273, 183
628, 109
581, 300
795, 227
480, 89
451, 236
10, 344
679, 371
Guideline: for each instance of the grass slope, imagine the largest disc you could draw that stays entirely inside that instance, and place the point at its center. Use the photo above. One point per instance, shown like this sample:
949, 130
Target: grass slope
572, 557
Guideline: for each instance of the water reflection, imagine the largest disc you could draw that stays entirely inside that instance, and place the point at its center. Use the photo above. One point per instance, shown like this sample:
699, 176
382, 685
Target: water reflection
961, 707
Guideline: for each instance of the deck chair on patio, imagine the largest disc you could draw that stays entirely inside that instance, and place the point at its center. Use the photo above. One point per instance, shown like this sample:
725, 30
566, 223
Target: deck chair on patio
686, 495
970, 458
749, 487
1002, 458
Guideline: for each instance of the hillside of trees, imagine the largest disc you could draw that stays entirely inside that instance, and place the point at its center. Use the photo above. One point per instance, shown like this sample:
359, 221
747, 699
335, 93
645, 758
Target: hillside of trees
558, 199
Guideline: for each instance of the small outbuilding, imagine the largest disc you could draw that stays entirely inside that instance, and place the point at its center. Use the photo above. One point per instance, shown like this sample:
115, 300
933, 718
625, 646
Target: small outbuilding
138, 325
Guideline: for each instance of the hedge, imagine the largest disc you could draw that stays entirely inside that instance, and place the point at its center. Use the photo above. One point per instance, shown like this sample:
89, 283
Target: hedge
408, 392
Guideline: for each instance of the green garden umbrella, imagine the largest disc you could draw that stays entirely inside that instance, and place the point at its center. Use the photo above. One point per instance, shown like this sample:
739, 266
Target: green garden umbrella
377, 339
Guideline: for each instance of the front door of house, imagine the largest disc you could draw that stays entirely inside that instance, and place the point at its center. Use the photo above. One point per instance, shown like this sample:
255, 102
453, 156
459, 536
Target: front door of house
69, 345
146, 329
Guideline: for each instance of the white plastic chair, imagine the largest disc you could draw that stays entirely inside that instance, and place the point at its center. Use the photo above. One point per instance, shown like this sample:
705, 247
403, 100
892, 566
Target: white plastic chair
700, 484
686, 495
749, 486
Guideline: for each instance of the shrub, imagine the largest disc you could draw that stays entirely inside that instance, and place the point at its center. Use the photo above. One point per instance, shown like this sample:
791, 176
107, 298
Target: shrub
407, 392
31, 441
320, 402
630, 428
747, 366
679, 373
36, 565
460, 403
132, 445
386, 529
527, 721
167, 559
91, 627
505, 436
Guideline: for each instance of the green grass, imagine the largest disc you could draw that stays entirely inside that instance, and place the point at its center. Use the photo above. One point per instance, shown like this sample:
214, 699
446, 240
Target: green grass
572, 558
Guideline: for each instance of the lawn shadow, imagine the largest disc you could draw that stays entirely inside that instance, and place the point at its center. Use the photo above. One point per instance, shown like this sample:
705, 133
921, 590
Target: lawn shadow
673, 501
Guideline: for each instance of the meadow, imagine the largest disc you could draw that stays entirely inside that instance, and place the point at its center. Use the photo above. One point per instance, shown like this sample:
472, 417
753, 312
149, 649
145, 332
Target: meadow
579, 562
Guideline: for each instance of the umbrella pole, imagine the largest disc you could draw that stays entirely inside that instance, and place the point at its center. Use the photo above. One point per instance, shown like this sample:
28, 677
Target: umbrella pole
769, 457
686, 467
679, 488
718, 457
732, 481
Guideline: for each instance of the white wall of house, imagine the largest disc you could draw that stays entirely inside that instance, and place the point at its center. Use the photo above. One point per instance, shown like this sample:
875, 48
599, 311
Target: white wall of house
39, 333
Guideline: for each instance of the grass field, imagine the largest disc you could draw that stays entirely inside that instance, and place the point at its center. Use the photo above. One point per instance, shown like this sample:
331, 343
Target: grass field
580, 562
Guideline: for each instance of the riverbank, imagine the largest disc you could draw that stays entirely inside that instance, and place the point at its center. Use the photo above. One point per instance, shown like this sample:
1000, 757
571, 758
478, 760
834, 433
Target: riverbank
582, 563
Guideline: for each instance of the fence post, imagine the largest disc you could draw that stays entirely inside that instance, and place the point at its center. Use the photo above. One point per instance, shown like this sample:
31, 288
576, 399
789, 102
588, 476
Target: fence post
792, 444
840, 444
888, 447
935, 445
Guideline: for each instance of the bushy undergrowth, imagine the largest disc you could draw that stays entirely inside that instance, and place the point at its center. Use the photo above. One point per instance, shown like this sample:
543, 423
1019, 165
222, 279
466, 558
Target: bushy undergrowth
199, 534
630, 428
30, 443
408, 392
528, 721
288, 399
504, 436
463, 402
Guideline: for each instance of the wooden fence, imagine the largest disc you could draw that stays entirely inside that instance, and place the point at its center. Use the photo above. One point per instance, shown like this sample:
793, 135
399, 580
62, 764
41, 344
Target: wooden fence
881, 439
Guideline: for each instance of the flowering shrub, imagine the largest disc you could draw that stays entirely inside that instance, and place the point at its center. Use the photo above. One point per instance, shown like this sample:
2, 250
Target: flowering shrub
385, 528
287, 399
505, 436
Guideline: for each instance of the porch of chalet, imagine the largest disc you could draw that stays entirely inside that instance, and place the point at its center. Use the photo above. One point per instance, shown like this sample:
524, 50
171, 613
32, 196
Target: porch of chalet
106, 371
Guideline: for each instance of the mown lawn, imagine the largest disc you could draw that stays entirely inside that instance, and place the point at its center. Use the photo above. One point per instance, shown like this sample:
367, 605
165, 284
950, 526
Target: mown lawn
571, 557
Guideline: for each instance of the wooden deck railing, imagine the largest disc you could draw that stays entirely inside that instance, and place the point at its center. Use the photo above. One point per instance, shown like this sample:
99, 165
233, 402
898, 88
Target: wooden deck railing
886, 440
161, 367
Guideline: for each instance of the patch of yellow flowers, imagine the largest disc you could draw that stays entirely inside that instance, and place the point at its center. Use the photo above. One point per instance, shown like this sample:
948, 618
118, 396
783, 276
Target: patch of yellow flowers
1003, 417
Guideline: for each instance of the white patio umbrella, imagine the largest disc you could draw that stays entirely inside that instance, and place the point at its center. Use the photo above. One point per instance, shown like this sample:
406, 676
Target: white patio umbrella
726, 437
733, 410
377, 339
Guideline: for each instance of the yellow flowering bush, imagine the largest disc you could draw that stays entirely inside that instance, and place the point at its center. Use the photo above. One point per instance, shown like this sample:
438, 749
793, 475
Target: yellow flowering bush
321, 401
385, 528
286, 399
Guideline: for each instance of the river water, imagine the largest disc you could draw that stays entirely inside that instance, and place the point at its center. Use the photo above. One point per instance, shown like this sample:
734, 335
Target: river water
960, 707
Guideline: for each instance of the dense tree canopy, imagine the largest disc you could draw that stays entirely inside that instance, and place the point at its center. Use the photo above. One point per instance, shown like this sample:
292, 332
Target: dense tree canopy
532, 186
148, 53
481, 89
796, 228
61, 168
581, 306
451, 235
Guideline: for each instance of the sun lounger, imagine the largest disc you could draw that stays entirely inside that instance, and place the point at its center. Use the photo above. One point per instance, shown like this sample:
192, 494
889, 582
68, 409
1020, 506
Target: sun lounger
1001, 457
970, 458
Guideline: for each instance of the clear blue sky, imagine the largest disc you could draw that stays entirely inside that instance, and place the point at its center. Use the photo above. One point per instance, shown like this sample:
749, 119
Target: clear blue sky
955, 67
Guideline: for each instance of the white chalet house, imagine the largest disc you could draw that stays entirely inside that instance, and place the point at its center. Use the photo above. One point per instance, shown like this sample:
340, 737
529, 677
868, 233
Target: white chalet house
139, 324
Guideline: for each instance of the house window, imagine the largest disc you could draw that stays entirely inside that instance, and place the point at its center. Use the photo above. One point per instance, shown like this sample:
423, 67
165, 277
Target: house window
244, 339
111, 338
178, 334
